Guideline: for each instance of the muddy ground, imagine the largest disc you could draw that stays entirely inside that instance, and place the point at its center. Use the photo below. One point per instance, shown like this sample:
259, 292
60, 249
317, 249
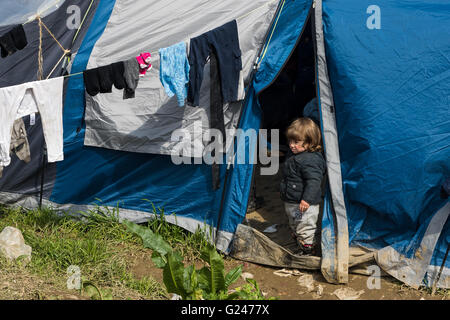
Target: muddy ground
25, 286
288, 288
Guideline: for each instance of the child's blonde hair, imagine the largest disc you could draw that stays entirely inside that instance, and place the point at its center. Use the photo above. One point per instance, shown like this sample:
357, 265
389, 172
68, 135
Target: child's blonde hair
306, 130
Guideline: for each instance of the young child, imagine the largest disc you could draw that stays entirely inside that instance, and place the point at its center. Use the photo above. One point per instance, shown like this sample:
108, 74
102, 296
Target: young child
300, 188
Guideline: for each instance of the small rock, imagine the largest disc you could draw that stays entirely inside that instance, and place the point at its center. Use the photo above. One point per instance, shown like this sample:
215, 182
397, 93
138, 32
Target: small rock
12, 245
347, 294
319, 290
306, 281
287, 273
318, 293
175, 297
247, 275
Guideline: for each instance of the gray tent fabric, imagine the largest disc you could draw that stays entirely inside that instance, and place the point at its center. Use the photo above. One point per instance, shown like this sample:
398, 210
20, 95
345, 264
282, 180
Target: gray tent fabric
145, 124
252, 245
330, 138
20, 177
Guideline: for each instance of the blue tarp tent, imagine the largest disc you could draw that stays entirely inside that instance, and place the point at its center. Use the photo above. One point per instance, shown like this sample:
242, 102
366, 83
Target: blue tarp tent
382, 75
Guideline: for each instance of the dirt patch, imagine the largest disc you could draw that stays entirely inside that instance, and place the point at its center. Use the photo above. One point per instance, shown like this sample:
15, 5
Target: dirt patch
21, 285
288, 288
141, 265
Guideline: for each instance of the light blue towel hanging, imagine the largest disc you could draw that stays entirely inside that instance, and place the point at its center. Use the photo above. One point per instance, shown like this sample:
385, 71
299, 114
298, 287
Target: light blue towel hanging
174, 71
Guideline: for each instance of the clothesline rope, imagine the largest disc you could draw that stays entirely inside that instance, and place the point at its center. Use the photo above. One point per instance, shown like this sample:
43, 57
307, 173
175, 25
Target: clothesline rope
40, 56
40, 74
57, 64
153, 53
48, 30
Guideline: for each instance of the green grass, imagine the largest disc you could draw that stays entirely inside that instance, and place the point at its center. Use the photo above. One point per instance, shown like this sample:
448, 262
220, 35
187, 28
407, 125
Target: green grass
96, 242
189, 244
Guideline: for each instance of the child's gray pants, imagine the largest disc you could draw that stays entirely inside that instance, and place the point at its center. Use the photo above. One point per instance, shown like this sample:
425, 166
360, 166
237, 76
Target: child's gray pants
304, 224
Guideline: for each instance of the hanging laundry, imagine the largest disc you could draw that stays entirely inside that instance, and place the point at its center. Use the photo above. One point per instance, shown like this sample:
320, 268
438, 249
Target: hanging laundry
19, 143
17, 101
99, 80
224, 41
221, 45
144, 63
118, 70
12, 41
216, 117
131, 76
7, 45
105, 76
91, 81
123, 75
174, 71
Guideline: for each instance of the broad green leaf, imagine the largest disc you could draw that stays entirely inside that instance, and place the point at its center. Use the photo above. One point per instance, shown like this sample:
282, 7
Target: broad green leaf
173, 276
177, 255
204, 279
232, 276
216, 276
150, 239
190, 279
194, 280
159, 260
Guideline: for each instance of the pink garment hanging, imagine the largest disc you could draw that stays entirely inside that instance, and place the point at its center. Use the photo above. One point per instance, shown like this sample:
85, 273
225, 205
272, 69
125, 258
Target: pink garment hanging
144, 63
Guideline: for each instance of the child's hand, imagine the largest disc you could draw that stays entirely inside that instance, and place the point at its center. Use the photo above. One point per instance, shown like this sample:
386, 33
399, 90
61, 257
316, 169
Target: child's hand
303, 206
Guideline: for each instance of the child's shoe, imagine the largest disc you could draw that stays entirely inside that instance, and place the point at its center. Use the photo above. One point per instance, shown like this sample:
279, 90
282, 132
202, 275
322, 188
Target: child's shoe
303, 250
307, 249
